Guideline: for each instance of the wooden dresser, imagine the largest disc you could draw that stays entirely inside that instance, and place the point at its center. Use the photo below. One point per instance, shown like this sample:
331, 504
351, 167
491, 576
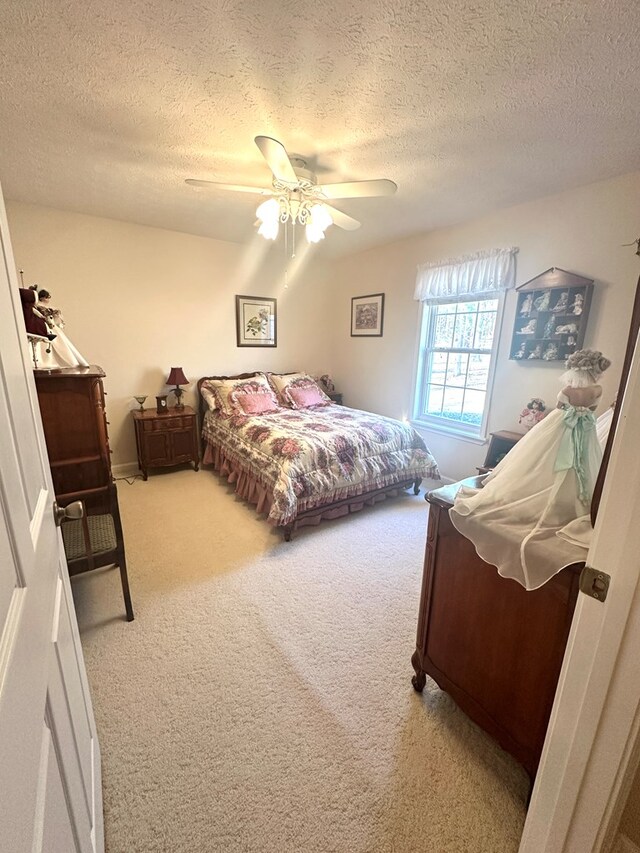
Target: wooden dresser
494, 647
72, 405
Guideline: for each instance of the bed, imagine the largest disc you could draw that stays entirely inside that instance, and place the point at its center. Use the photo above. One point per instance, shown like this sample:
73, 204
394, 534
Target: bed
299, 457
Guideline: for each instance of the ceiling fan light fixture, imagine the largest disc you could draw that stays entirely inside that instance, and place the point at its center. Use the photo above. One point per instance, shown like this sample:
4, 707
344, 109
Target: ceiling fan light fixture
296, 198
268, 230
319, 220
269, 215
313, 233
320, 217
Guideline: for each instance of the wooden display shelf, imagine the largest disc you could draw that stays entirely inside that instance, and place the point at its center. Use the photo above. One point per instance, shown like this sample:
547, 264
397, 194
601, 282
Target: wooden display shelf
551, 316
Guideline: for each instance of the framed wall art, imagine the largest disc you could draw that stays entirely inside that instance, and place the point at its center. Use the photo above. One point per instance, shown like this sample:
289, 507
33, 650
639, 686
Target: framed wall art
256, 321
367, 314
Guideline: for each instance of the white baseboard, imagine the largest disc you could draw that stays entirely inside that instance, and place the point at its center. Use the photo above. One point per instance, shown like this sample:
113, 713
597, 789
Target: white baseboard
625, 845
126, 469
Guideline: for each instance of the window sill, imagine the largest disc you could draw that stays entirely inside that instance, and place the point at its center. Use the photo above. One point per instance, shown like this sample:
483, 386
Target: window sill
450, 432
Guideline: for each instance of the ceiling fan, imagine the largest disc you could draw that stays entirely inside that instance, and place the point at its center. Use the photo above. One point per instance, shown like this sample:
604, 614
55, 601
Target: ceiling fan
295, 195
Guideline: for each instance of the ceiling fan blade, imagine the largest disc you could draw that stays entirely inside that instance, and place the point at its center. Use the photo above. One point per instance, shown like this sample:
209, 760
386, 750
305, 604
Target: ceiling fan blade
238, 188
343, 220
359, 189
276, 156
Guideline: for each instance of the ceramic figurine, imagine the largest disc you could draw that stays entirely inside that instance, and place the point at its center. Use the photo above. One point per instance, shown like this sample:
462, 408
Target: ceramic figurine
550, 328
542, 302
567, 329
562, 304
527, 305
529, 329
536, 352
551, 353
521, 351
577, 304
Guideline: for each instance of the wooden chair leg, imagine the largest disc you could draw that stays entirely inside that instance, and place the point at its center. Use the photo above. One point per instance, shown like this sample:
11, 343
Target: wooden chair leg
122, 564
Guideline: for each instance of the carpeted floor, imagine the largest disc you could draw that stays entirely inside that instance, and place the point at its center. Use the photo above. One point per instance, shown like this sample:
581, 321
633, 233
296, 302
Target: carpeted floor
261, 700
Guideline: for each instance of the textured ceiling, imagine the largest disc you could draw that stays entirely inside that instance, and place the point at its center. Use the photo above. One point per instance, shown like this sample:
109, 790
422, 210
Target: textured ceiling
106, 106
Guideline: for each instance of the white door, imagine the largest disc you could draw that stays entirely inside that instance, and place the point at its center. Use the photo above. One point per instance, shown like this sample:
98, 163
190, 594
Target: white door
50, 792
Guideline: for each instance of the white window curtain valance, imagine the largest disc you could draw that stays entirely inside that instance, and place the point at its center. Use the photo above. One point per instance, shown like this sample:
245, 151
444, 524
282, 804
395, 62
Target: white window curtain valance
482, 275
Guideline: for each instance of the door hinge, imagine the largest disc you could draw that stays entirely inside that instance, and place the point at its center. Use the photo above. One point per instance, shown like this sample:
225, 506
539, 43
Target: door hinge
594, 583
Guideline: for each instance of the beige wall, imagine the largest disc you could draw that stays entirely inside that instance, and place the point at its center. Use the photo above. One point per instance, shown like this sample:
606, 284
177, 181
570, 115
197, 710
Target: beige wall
138, 300
581, 230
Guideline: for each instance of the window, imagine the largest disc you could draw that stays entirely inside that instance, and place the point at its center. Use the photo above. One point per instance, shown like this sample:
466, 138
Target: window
455, 368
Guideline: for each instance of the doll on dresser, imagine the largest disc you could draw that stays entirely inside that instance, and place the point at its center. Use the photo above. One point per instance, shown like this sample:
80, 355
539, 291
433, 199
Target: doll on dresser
517, 519
532, 414
61, 352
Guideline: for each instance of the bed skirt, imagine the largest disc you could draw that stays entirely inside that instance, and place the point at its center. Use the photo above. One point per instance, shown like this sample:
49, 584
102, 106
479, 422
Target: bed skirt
254, 492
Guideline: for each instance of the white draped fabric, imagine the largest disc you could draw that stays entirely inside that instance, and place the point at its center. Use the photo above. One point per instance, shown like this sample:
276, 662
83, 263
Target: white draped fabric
478, 276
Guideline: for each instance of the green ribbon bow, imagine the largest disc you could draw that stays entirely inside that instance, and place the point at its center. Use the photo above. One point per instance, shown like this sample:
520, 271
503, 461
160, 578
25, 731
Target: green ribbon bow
572, 452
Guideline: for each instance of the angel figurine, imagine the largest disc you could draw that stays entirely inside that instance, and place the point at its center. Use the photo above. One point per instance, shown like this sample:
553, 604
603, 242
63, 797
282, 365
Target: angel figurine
562, 304
542, 302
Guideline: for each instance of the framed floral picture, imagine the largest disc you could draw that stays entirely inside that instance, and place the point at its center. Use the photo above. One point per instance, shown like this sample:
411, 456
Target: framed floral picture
256, 321
367, 313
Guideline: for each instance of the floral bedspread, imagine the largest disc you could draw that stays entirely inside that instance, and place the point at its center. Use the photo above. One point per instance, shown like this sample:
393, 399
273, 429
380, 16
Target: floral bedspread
310, 457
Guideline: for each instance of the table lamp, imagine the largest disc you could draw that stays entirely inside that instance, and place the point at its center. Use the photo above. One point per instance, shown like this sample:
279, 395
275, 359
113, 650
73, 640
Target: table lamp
176, 377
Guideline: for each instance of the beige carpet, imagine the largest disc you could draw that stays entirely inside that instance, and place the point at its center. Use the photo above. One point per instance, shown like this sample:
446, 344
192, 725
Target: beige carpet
261, 700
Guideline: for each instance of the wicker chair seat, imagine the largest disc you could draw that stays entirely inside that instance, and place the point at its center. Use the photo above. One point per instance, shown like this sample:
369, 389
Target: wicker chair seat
102, 535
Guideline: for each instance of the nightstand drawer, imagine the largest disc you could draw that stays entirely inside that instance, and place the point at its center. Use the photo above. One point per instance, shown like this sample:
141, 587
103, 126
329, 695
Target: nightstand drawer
163, 424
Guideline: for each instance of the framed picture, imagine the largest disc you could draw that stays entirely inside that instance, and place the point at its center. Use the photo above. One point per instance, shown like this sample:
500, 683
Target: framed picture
367, 313
256, 321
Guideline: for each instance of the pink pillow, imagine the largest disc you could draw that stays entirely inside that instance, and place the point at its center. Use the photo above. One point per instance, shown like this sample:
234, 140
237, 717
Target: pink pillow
305, 396
256, 404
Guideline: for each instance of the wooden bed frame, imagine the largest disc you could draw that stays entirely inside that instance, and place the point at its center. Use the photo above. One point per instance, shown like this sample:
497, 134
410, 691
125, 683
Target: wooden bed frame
314, 516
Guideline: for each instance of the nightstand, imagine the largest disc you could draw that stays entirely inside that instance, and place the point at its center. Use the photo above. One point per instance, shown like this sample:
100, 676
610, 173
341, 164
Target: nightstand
166, 439
500, 444
336, 397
